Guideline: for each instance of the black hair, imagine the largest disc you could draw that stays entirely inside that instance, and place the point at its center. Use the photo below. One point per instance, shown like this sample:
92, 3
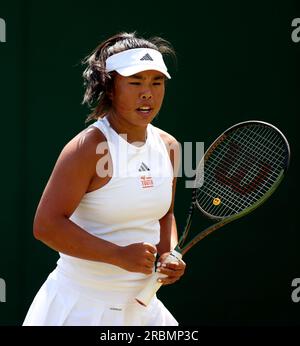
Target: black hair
97, 82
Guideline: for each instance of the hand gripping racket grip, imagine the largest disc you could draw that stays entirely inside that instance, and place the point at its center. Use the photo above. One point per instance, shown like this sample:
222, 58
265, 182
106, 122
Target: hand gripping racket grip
152, 286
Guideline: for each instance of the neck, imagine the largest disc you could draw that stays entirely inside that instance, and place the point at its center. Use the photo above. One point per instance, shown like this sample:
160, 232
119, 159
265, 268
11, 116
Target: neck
122, 127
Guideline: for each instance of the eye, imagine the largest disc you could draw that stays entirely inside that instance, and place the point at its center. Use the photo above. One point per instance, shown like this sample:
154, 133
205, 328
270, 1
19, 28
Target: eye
157, 83
134, 83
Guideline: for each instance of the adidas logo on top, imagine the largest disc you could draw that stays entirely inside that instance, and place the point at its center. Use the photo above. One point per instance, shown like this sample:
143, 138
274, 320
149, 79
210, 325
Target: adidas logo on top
144, 167
147, 57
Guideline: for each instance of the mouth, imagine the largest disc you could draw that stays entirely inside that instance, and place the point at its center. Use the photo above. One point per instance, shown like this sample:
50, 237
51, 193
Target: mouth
144, 110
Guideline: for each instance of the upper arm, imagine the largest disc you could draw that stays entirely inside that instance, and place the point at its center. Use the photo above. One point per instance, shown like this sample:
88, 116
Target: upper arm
71, 176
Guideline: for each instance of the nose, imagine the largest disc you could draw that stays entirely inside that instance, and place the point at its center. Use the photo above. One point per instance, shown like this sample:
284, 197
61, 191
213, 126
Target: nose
146, 95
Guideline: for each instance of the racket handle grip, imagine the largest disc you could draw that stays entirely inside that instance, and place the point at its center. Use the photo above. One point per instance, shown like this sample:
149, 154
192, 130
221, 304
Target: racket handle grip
152, 286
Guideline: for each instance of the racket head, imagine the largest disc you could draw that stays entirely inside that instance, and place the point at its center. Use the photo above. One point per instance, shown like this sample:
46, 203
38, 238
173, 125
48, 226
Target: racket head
241, 169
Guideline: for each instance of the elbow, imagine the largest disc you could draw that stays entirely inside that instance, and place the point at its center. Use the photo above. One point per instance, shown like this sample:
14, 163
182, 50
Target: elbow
38, 228
41, 227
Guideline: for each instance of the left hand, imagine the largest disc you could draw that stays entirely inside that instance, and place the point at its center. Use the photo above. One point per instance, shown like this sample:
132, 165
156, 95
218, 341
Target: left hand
174, 269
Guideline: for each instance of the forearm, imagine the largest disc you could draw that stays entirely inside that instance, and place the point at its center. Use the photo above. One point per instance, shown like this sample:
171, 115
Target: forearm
168, 234
65, 236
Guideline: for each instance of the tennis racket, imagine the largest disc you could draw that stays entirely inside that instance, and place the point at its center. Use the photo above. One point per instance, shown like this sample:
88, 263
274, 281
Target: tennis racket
239, 171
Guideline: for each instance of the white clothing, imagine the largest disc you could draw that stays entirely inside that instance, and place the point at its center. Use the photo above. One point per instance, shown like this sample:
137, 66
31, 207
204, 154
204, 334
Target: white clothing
63, 301
124, 211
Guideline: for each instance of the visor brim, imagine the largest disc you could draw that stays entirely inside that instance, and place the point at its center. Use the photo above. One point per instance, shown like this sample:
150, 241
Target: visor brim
131, 70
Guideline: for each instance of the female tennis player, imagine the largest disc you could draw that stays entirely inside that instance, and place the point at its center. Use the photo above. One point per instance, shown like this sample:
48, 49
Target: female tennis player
108, 205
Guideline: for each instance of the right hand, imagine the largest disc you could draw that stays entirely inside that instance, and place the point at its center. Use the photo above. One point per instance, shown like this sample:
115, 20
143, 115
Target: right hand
138, 257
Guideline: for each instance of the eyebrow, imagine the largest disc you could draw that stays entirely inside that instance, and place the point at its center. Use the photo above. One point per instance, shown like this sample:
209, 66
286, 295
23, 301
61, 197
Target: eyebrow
135, 76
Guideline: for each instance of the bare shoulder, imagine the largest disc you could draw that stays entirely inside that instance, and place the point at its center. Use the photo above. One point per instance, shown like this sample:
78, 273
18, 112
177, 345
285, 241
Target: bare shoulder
78, 159
85, 142
73, 173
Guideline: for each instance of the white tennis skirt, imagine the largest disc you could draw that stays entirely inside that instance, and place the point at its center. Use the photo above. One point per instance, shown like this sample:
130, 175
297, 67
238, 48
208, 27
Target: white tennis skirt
62, 301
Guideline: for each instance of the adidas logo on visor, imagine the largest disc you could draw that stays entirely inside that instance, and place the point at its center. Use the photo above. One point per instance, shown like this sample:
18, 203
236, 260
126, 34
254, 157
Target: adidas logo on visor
144, 167
147, 57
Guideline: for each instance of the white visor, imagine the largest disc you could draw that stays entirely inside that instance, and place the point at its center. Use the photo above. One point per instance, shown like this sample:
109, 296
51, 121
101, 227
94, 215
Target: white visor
136, 60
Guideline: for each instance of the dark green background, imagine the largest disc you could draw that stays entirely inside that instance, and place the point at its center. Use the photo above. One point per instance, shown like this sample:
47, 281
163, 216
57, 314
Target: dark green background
236, 62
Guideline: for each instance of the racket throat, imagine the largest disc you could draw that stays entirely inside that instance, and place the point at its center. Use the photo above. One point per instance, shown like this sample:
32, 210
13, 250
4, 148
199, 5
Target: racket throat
177, 253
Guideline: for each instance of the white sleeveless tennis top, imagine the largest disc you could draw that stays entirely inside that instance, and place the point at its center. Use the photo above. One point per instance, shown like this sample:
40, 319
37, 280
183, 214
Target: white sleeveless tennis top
126, 210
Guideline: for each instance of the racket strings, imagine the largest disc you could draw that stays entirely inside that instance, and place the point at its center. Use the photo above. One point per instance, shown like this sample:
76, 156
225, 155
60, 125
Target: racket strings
213, 163
255, 153
232, 203
243, 158
240, 170
264, 151
251, 176
248, 175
